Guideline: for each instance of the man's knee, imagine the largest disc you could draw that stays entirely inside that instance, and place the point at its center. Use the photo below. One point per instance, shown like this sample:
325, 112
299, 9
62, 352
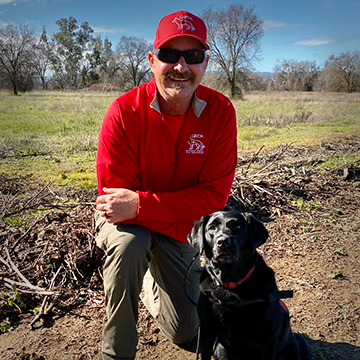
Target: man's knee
127, 249
124, 238
179, 333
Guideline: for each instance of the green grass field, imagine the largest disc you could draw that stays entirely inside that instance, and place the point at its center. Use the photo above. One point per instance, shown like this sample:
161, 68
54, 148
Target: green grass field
52, 136
275, 118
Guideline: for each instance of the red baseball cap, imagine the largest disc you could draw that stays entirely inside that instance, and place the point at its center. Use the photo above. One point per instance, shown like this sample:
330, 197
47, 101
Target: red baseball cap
180, 23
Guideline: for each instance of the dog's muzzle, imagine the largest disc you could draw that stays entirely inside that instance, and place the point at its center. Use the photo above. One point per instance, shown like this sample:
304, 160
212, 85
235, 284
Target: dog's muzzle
224, 251
223, 242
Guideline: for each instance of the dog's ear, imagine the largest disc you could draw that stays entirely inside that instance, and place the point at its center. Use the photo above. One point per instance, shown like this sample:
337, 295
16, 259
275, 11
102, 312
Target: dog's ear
257, 230
196, 236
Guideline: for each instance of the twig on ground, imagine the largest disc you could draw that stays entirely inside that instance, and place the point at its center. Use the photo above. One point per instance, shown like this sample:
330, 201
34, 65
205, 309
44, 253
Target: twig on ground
342, 167
26, 283
10, 203
253, 159
44, 308
33, 289
35, 196
275, 159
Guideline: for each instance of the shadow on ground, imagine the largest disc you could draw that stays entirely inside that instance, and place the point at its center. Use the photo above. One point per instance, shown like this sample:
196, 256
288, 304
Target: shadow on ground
322, 350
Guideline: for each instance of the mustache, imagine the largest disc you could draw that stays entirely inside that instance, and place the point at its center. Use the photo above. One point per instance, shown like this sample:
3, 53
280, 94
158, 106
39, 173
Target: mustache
179, 75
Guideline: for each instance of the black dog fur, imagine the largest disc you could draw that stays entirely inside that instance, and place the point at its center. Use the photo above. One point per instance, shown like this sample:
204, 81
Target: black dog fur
245, 321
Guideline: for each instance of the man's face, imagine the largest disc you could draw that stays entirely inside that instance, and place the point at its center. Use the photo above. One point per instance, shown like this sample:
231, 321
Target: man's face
178, 81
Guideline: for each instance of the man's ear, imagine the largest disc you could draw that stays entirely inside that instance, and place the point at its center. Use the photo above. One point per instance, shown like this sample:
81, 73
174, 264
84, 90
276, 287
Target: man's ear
257, 231
151, 59
196, 237
207, 61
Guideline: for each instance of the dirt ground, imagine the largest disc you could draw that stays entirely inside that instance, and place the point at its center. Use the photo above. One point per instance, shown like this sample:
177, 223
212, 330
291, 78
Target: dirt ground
314, 248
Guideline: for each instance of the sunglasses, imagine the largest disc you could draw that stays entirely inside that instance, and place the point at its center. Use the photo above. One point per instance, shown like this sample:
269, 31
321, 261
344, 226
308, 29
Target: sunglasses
172, 56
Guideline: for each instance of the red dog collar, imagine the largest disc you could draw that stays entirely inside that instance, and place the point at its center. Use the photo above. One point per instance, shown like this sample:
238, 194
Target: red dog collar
234, 284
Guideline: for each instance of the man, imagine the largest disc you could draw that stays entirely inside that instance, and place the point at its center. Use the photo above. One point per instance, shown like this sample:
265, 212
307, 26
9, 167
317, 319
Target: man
166, 156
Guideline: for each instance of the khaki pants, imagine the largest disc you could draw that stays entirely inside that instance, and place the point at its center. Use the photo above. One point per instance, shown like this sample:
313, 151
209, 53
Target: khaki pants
154, 267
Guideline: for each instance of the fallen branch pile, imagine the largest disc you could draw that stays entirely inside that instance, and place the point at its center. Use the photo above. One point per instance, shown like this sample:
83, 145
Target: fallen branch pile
271, 184
50, 256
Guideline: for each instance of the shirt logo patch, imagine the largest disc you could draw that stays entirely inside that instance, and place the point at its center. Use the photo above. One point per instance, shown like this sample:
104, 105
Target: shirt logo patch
184, 21
196, 145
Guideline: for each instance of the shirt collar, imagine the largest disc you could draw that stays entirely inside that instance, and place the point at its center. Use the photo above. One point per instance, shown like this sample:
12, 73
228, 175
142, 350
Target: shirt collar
197, 104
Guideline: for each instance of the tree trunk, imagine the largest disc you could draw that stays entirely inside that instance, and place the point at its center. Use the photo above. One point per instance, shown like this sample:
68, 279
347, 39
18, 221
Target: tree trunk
235, 91
15, 87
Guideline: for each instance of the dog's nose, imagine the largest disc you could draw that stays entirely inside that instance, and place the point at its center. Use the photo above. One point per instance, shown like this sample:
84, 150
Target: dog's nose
223, 242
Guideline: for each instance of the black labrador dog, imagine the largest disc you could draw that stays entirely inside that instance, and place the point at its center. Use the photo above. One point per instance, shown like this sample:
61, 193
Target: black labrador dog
241, 314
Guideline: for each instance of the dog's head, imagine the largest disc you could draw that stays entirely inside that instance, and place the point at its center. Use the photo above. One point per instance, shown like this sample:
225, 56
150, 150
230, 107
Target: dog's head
228, 237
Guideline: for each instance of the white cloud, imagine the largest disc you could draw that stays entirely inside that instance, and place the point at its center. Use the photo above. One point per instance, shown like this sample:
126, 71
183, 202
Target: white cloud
106, 31
270, 24
3, 2
313, 42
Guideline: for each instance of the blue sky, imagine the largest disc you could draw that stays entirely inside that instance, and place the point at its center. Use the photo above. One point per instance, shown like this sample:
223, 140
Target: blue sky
309, 30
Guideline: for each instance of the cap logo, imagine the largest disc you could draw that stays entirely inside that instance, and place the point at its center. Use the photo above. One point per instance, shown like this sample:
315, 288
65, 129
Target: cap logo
184, 21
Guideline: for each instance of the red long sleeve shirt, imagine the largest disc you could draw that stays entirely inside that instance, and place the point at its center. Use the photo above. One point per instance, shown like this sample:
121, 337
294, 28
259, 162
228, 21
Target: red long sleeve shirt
177, 182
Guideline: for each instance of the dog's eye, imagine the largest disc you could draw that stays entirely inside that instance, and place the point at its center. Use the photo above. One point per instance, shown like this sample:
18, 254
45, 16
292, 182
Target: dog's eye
212, 228
237, 227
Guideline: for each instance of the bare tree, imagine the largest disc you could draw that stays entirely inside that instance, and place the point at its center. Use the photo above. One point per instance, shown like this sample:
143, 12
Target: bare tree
260, 81
132, 57
293, 75
342, 73
17, 46
234, 37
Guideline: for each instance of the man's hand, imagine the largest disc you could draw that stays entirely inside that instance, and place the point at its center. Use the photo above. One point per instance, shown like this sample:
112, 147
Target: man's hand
118, 204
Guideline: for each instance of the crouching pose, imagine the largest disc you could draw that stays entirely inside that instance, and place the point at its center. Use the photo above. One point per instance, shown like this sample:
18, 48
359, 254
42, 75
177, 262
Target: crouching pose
166, 156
